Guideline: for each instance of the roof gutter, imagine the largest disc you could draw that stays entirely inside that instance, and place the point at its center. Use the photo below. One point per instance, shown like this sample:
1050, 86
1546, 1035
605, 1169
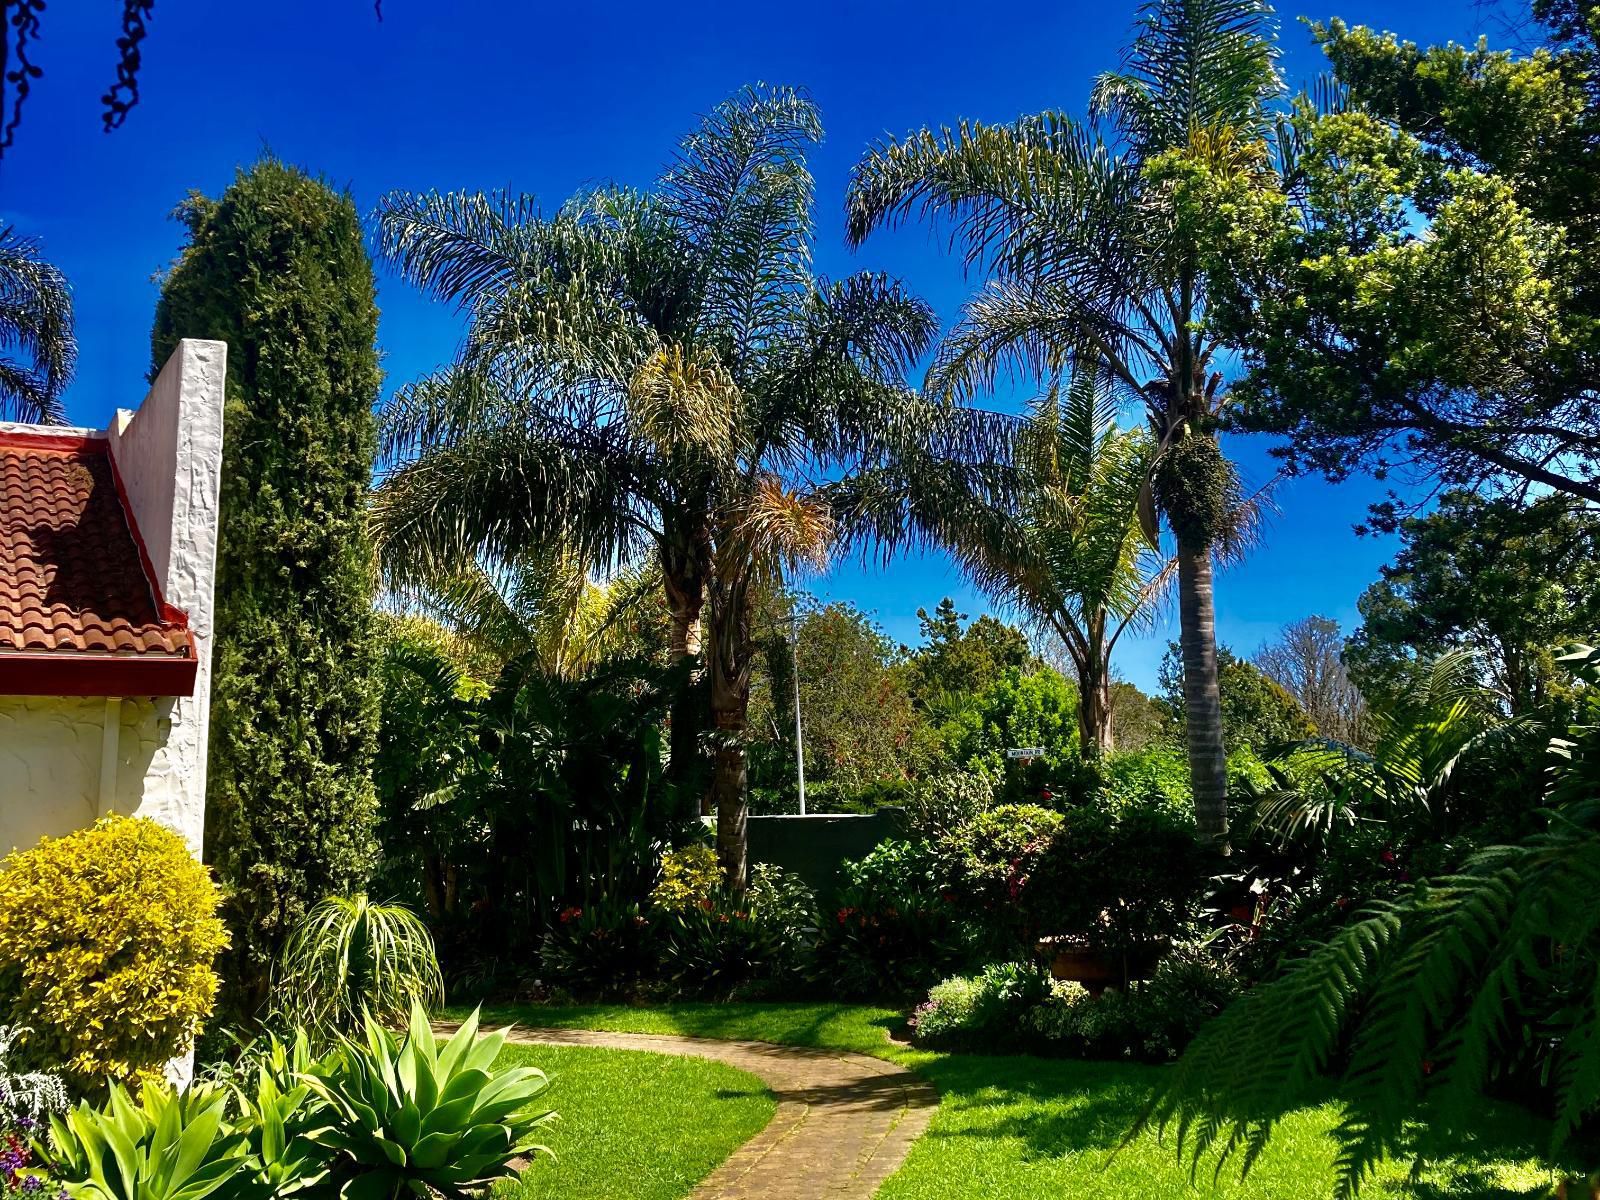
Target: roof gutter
59, 673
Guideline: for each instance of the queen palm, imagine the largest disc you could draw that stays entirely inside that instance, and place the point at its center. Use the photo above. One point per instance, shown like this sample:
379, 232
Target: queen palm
37, 348
1093, 260
1069, 551
652, 375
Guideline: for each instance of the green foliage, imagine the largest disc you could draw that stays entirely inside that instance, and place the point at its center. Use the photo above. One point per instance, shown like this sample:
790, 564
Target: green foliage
1504, 580
1198, 489
1147, 1022
1033, 708
1481, 977
1421, 294
350, 958
413, 1117
992, 856
1118, 879
689, 876
942, 804
108, 938
164, 1145
1257, 712
602, 948
954, 660
277, 269
980, 1013
860, 727
36, 331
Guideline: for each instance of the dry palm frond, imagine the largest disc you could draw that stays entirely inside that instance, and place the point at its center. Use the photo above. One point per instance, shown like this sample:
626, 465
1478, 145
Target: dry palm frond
685, 402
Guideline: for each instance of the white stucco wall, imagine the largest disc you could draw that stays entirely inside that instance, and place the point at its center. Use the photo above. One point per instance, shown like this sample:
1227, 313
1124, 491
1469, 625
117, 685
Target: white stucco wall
50, 748
169, 456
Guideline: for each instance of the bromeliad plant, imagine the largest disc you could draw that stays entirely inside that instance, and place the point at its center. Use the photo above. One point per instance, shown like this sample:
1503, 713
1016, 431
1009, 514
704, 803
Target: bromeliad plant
408, 1117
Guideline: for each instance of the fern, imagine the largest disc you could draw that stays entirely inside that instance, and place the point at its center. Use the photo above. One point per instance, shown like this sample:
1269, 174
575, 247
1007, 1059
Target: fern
1422, 1002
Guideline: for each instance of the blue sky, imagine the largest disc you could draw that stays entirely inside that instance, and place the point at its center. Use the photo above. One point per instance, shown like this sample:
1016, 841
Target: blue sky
547, 98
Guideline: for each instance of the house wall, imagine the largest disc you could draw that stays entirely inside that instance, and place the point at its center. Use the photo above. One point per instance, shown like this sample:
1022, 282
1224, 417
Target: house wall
64, 761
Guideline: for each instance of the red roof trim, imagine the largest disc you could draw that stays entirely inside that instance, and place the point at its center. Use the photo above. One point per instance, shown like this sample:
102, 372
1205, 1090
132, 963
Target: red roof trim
60, 673
61, 443
169, 614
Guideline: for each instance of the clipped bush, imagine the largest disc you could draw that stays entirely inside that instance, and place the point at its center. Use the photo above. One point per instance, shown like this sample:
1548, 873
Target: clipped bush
107, 939
1150, 1022
994, 854
689, 876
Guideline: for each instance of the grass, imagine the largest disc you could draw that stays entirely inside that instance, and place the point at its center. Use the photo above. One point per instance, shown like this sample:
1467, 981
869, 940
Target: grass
1026, 1128
635, 1126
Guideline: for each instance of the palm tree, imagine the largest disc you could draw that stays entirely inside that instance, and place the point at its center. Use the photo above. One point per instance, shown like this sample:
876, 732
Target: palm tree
652, 375
1093, 261
37, 348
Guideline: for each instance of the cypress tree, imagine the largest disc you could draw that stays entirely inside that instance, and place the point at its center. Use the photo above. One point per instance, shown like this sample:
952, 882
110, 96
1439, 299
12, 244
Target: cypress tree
276, 268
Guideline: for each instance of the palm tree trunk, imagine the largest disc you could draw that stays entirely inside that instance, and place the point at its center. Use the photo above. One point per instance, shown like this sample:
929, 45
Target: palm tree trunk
684, 584
1202, 700
732, 655
1094, 708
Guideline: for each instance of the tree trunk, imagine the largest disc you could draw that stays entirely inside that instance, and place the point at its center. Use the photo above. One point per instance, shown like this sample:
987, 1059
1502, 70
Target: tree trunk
684, 583
732, 654
1208, 763
1094, 709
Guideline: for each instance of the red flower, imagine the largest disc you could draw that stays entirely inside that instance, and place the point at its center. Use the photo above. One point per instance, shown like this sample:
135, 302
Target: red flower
1427, 1066
845, 914
1047, 795
1387, 856
570, 914
706, 904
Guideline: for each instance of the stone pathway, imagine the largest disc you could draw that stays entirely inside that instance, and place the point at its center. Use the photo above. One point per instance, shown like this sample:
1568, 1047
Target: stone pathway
844, 1124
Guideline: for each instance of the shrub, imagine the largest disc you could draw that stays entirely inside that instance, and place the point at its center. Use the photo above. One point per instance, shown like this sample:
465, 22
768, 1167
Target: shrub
994, 854
947, 802
107, 938
350, 957
689, 876
411, 1117
982, 1012
785, 912
605, 947
712, 950
1119, 879
1150, 1022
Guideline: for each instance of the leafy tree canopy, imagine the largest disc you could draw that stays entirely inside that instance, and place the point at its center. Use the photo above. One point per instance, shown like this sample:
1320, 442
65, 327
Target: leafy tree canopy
1504, 580
1256, 711
953, 659
1421, 294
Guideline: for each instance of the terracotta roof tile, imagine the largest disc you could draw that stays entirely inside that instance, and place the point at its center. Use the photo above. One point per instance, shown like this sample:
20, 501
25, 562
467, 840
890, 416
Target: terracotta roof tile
71, 578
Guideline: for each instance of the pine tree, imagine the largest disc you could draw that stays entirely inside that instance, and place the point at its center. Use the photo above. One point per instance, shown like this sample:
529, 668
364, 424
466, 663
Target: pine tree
276, 268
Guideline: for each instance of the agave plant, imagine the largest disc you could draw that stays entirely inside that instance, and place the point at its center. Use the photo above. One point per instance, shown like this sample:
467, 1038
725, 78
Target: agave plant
280, 1114
412, 1117
164, 1145
350, 957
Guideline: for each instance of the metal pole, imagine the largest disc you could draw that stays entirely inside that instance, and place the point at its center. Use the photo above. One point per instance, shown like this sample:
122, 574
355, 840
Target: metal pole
799, 741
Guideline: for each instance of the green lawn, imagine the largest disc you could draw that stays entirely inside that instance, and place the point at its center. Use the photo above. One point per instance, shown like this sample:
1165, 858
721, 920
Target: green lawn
635, 1126
1021, 1127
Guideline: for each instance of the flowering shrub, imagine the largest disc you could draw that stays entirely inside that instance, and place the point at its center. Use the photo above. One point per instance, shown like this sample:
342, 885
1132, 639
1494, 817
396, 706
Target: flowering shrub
981, 1012
606, 947
107, 937
689, 876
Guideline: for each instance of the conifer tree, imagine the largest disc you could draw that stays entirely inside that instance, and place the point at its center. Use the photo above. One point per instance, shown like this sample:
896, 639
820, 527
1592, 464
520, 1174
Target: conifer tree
276, 268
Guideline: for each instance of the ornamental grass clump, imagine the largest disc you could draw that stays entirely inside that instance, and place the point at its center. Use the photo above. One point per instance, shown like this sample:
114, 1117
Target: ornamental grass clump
107, 939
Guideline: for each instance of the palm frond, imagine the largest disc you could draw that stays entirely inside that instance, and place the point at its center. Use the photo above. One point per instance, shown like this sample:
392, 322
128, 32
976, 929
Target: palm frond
38, 349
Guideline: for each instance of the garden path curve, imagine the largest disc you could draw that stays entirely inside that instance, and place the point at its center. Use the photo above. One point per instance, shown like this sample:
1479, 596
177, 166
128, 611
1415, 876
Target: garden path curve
844, 1123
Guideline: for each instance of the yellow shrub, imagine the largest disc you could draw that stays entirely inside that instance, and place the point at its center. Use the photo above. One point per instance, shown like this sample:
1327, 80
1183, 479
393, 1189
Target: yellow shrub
107, 937
688, 877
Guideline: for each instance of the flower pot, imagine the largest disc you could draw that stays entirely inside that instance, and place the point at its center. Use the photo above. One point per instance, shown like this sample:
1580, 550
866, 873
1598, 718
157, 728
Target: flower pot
1098, 968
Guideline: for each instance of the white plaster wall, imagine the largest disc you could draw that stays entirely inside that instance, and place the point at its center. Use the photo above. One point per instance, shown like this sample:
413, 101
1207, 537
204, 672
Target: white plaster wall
50, 750
169, 456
